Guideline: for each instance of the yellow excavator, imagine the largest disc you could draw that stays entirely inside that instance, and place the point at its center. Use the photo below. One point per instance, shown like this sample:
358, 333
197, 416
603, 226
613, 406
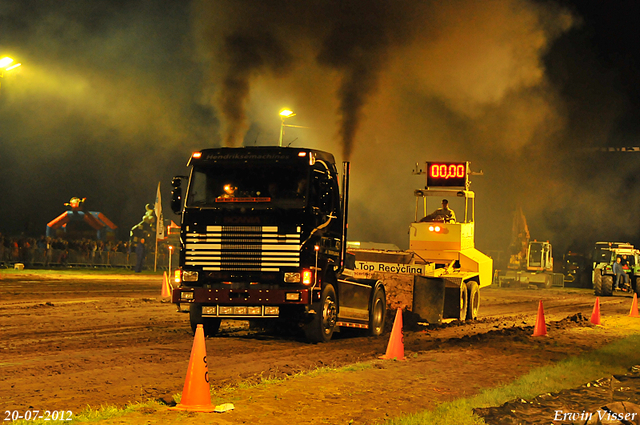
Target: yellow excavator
530, 262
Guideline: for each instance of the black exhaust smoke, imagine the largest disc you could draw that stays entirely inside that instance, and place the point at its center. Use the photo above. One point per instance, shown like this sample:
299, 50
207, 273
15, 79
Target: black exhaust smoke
246, 40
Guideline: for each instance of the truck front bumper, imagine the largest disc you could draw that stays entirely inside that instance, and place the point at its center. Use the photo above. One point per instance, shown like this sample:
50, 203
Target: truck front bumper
245, 303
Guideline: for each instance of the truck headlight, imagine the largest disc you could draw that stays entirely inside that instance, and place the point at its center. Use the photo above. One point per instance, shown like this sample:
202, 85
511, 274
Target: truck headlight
292, 296
271, 311
292, 277
210, 310
188, 276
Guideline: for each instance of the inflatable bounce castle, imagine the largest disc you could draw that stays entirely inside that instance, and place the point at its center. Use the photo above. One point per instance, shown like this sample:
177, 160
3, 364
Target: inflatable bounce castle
75, 223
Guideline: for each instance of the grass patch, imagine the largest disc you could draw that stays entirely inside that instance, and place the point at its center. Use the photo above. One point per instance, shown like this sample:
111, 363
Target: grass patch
226, 394
615, 358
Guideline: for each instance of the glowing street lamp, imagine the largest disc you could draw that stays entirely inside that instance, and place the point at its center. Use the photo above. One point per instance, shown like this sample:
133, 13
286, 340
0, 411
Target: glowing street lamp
284, 114
6, 64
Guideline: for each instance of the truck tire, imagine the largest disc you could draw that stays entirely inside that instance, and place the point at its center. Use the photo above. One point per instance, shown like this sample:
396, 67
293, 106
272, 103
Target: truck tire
637, 287
473, 303
211, 325
455, 302
377, 312
607, 286
321, 327
597, 282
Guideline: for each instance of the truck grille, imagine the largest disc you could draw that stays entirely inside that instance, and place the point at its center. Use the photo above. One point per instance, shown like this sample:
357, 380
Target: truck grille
250, 248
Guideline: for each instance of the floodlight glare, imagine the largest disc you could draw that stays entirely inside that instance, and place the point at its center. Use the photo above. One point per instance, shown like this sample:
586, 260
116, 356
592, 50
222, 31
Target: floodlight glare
286, 113
5, 62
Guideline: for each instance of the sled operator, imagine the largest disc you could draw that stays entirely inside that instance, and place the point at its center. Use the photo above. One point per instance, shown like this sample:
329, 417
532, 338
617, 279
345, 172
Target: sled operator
443, 214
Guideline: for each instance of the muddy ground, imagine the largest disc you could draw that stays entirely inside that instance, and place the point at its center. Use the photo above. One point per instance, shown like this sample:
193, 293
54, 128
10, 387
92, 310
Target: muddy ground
99, 340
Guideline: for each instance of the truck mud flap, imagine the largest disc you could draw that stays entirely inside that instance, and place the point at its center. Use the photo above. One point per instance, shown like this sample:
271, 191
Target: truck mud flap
428, 298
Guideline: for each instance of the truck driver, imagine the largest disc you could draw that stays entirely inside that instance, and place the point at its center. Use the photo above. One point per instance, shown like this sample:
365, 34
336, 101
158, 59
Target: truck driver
443, 214
229, 191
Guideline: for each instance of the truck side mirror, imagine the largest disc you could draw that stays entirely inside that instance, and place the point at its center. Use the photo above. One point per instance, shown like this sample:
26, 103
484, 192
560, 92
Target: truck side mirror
176, 195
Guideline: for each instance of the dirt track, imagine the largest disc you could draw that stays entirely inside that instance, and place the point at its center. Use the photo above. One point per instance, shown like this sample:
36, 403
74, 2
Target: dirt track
111, 340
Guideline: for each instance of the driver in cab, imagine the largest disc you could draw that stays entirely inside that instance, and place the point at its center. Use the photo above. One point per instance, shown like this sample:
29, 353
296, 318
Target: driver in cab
229, 191
443, 214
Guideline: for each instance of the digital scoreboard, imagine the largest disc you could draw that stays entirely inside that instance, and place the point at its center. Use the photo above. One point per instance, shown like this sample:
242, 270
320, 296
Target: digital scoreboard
447, 174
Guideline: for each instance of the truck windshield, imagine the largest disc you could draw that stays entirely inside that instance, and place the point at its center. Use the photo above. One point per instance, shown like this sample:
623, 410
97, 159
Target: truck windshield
263, 185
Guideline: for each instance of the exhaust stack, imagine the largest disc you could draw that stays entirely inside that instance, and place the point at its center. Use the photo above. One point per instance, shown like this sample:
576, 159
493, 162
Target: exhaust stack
346, 170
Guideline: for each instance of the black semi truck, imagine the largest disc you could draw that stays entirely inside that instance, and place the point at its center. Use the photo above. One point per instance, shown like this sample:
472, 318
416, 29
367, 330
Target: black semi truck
263, 238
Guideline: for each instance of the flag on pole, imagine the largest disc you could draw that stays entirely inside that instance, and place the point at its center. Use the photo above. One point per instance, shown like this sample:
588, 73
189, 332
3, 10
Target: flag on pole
159, 217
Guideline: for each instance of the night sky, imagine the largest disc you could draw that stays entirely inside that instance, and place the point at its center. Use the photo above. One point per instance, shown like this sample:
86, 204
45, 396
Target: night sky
113, 96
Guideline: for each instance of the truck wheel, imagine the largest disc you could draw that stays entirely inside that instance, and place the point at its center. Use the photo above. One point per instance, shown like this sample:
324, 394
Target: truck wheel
321, 327
473, 303
597, 282
377, 312
455, 302
637, 287
211, 325
607, 286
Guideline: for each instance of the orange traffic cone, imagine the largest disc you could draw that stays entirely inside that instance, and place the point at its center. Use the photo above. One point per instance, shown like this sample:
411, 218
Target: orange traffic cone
196, 395
395, 348
634, 307
541, 326
166, 292
595, 316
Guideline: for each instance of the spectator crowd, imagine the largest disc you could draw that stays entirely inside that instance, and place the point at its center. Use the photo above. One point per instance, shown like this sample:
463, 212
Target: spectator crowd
58, 252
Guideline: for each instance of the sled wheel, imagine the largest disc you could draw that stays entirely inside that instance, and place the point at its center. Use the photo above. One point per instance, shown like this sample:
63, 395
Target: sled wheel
473, 303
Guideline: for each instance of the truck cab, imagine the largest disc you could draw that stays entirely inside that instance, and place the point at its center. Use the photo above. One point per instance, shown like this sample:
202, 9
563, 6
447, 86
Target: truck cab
263, 237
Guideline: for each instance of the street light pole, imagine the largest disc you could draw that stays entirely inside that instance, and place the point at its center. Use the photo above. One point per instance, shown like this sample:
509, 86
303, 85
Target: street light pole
285, 113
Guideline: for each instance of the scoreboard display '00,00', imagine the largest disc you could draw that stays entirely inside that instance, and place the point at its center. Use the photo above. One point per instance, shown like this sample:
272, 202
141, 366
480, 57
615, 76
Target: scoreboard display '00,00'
447, 174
